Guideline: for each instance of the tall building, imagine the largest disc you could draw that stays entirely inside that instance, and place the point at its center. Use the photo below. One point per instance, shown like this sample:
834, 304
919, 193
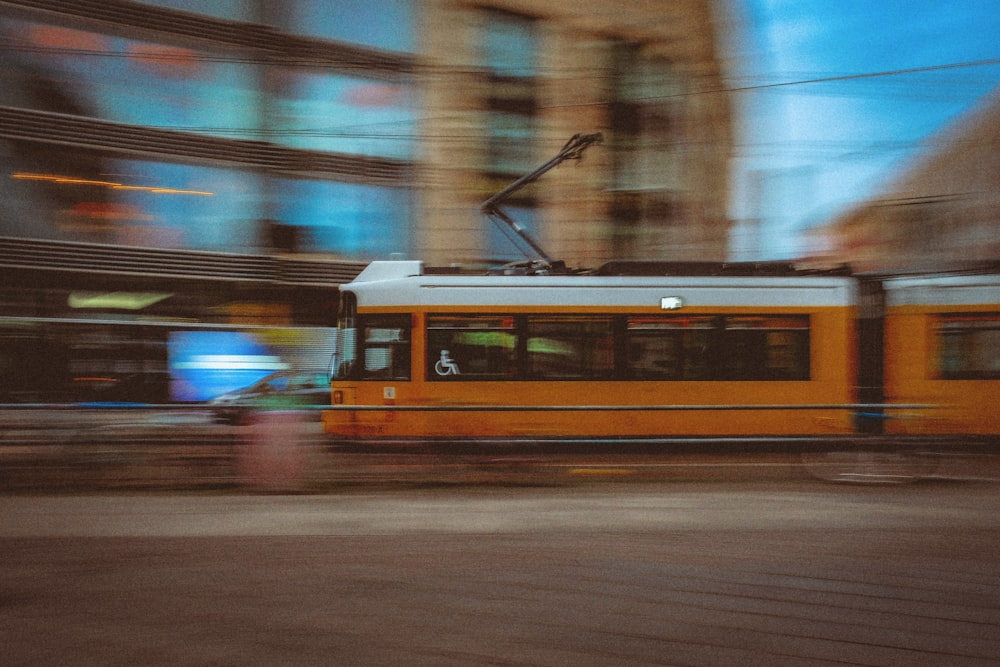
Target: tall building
172, 164
354, 130
507, 82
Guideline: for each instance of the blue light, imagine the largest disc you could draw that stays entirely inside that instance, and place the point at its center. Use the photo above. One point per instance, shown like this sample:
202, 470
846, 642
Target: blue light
205, 364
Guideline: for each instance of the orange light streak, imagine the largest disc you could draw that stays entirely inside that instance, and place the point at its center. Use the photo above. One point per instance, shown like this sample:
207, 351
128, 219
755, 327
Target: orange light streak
69, 180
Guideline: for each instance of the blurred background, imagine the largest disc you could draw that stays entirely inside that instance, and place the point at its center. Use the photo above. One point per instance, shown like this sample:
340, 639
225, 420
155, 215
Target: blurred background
185, 183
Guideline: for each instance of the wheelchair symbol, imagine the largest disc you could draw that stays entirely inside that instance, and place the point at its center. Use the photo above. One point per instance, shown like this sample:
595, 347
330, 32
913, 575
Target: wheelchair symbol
446, 365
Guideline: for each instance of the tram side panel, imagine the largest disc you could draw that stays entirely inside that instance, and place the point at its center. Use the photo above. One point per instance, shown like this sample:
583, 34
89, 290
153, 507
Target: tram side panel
663, 407
942, 346
449, 398
523, 366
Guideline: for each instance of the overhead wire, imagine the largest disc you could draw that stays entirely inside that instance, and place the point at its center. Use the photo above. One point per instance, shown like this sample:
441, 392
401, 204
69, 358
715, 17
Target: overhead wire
809, 85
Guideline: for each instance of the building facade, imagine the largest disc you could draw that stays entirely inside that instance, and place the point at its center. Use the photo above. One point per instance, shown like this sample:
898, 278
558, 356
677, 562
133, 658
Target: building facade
942, 213
167, 165
357, 130
506, 84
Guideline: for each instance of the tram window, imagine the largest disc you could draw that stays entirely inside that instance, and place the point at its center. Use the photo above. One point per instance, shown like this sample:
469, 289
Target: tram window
766, 348
968, 347
669, 348
471, 348
386, 340
345, 353
565, 348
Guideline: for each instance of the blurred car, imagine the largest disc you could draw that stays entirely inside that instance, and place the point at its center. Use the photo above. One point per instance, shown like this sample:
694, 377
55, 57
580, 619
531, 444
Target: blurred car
283, 390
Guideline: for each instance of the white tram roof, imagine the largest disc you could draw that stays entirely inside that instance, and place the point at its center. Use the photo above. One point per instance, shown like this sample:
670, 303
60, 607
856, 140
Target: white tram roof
944, 290
389, 284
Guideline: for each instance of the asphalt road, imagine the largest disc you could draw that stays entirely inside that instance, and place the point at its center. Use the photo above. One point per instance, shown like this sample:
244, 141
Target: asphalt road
764, 573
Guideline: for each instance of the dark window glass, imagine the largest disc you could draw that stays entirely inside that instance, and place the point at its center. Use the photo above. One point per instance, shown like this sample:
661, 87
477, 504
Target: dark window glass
674, 348
386, 341
564, 348
581, 347
968, 347
471, 348
766, 348
748, 348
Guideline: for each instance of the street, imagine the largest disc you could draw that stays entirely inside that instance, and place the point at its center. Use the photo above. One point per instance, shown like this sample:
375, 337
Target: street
768, 573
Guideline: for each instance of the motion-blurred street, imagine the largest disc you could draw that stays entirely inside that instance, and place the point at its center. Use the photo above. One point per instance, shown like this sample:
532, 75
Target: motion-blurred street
693, 573
125, 449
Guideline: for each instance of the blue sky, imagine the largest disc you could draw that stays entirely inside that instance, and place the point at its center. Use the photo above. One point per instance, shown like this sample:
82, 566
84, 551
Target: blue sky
808, 151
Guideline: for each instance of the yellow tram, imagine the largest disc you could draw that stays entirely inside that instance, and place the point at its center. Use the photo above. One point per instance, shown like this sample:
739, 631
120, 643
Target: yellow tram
629, 351
659, 350
942, 348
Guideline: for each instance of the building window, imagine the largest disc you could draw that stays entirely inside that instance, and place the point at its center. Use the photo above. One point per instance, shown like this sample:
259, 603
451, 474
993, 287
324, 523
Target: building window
968, 347
510, 45
96, 75
386, 24
511, 106
350, 220
511, 148
75, 194
316, 110
646, 175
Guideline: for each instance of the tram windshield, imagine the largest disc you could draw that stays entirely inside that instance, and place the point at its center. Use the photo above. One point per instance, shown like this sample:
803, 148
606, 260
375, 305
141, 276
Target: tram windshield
345, 352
